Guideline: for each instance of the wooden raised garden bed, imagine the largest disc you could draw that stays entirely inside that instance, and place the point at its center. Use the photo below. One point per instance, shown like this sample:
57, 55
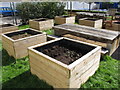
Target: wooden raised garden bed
64, 63
116, 26
17, 42
92, 22
7, 28
64, 19
107, 39
49, 37
41, 23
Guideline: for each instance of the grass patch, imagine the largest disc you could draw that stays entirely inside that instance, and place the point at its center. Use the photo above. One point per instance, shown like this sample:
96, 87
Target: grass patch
23, 27
106, 76
49, 31
16, 73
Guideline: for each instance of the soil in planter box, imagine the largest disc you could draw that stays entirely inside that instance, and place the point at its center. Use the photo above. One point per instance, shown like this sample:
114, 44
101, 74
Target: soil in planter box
22, 34
117, 22
92, 19
6, 25
65, 51
40, 19
15, 37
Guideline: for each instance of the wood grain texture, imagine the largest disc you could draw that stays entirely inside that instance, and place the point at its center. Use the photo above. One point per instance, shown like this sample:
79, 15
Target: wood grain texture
41, 25
60, 75
7, 29
95, 24
105, 38
62, 20
18, 48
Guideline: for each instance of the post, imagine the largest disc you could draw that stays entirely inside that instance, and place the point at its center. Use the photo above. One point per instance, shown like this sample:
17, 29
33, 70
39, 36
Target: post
89, 6
70, 8
14, 13
11, 12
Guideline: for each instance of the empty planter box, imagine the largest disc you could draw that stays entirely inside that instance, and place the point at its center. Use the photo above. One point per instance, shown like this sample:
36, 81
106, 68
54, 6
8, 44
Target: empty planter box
116, 26
16, 43
65, 19
64, 63
41, 23
92, 22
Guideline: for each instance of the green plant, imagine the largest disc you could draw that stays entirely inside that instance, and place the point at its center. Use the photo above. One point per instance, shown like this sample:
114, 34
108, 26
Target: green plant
24, 27
28, 10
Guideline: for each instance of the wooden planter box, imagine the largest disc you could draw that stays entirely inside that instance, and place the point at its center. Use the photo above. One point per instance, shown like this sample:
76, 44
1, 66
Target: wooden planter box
96, 23
109, 27
18, 48
7, 28
107, 39
116, 26
49, 37
59, 74
41, 23
65, 19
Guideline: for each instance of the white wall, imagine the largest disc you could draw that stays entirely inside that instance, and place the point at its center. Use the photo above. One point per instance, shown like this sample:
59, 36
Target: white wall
76, 5
4, 4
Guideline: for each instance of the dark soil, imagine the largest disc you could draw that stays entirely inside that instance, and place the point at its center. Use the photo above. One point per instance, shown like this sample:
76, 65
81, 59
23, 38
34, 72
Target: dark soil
15, 37
92, 19
40, 19
22, 34
65, 51
62, 54
117, 22
6, 25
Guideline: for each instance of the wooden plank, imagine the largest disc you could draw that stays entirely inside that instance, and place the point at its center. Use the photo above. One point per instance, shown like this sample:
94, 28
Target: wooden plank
59, 20
70, 73
49, 63
19, 46
22, 45
87, 22
84, 77
34, 24
114, 46
8, 48
48, 78
51, 71
87, 63
7, 39
70, 20
89, 31
85, 40
42, 77
12, 28
90, 72
63, 20
41, 25
48, 24
56, 79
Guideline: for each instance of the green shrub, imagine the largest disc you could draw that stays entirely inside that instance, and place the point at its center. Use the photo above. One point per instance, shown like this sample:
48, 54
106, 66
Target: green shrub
31, 10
